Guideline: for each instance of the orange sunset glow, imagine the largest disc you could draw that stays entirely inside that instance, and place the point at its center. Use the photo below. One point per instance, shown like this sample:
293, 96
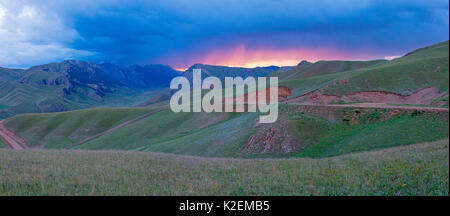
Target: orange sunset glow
241, 56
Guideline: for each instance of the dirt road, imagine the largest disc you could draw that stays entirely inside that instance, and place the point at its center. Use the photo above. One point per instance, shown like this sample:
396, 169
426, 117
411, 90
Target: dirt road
13, 141
387, 106
379, 105
111, 130
16, 142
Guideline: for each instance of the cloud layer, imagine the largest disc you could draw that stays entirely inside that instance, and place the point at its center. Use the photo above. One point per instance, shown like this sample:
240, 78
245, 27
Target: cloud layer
232, 32
30, 35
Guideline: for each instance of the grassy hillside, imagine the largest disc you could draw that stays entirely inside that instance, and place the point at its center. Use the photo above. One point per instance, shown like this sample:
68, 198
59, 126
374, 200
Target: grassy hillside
16, 98
323, 68
60, 130
2, 144
322, 137
419, 69
224, 134
420, 169
10, 74
64, 86
214, 134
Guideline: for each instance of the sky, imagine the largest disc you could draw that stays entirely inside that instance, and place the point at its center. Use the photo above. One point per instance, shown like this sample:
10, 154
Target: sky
246, 33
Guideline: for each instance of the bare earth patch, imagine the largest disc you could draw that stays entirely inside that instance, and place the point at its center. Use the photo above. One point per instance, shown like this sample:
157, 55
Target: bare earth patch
423, 96
14, 141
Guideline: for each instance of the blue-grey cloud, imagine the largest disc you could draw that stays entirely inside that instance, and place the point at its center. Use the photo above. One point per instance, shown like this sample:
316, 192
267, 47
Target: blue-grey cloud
127, 32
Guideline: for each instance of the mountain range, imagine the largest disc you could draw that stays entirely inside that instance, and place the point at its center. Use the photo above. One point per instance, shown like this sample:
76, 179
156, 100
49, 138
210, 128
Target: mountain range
223, 71
73, 84
332, 108
348, 127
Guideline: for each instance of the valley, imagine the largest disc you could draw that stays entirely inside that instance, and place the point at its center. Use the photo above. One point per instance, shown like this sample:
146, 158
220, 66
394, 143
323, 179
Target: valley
342, 126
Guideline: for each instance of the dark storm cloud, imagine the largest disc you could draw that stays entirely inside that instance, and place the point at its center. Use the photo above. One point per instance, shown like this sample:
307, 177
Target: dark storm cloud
127, 32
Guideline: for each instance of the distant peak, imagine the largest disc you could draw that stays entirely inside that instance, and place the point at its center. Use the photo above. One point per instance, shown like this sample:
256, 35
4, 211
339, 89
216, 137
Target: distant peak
304, 63
69, 61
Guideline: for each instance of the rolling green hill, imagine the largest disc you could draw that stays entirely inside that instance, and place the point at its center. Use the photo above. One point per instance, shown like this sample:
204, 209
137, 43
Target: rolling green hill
322, 137
227, 135
10, 74
3, 144
296, 133
324, 68
163, 131
19, 98
422, 68
71, 85
58, 130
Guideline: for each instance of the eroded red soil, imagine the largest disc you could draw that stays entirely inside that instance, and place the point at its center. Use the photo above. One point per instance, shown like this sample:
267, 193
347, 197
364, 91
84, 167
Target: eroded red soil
11, 139
423, 96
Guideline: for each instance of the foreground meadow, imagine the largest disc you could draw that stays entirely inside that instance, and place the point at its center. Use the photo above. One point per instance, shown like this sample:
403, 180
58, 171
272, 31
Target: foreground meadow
420, 169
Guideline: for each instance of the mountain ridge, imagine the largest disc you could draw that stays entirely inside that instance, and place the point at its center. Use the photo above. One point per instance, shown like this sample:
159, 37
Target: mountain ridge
76, 84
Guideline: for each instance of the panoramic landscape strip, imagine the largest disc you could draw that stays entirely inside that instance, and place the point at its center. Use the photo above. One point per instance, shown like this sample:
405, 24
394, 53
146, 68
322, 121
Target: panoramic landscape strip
224, 98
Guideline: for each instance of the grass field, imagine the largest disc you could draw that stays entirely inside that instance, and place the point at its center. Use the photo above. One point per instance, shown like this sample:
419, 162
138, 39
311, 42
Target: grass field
420, 169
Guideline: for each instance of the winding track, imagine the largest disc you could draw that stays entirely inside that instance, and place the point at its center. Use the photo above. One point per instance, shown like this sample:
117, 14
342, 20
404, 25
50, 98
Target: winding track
111, 129
13, 141
379, 105
16, 142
